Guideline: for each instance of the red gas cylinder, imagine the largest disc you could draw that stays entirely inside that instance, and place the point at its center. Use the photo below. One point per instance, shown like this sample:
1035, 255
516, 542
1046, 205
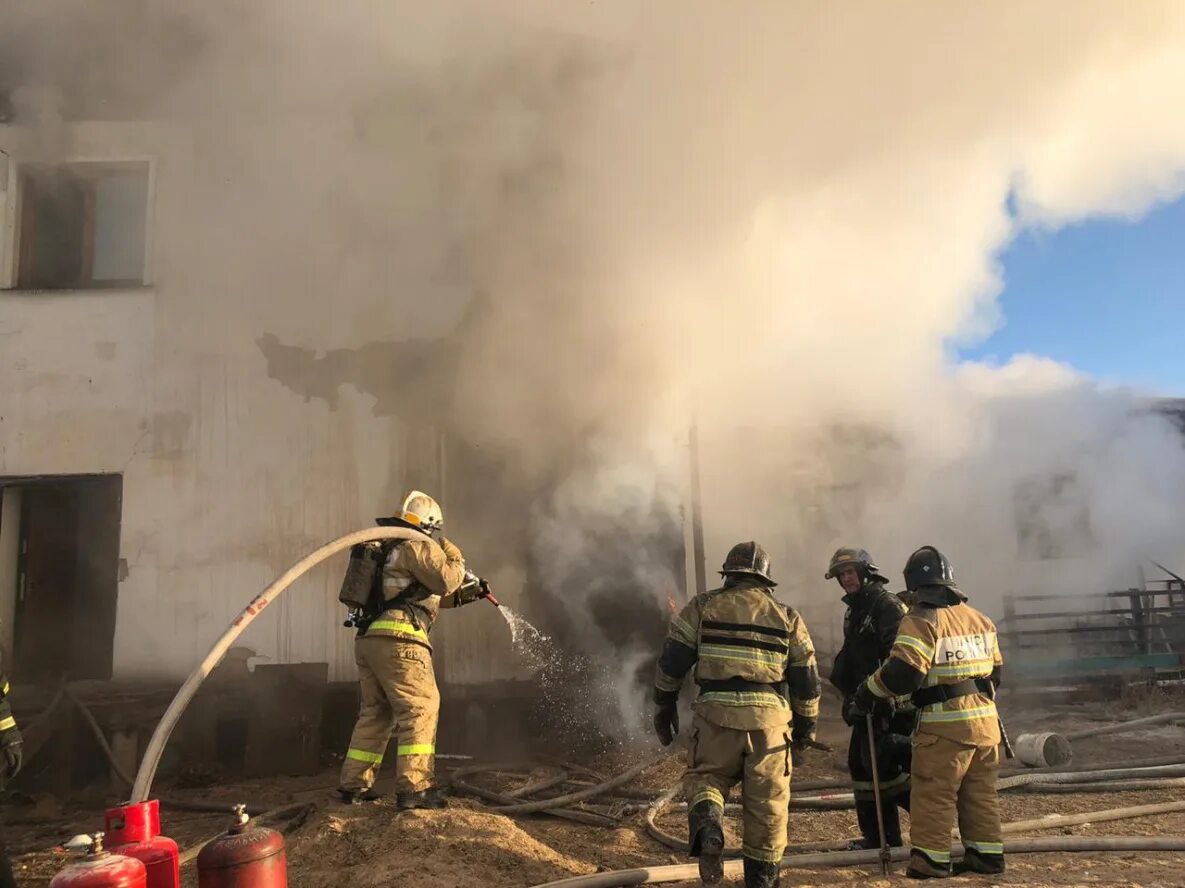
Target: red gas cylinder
246, 857
102, 869
133, 830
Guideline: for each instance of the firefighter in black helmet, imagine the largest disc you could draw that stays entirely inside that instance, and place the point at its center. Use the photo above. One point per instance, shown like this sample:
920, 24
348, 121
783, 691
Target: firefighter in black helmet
869, 629
947, 657
758, 694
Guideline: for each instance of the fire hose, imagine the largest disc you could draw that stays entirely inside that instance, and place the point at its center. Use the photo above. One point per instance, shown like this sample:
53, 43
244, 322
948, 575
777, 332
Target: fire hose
653, 875
1133, 725
142, 786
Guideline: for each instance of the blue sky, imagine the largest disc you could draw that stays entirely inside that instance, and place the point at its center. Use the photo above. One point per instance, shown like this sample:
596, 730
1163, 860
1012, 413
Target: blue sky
1105, 296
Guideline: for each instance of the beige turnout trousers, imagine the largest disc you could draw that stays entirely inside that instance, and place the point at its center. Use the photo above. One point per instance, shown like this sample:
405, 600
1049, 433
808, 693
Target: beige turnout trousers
759, 760
399, 696
948, 778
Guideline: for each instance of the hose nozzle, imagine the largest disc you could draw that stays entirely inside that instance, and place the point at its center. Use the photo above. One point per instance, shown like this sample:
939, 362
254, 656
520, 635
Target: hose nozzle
489, 596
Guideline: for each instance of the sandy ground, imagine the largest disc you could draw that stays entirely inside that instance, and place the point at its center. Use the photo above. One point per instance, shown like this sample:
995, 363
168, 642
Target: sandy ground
465, 844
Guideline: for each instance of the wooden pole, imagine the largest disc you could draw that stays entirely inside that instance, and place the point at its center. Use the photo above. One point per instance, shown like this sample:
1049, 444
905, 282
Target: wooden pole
697, 513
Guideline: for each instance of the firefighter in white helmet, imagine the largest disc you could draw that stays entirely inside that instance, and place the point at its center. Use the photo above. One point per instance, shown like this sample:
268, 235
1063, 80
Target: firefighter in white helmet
394, 657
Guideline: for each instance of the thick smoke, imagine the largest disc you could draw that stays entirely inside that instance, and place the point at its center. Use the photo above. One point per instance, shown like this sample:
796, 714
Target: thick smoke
604, 218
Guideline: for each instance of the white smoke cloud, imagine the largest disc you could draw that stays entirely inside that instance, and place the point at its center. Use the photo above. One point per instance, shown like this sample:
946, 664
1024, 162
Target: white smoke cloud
781, 218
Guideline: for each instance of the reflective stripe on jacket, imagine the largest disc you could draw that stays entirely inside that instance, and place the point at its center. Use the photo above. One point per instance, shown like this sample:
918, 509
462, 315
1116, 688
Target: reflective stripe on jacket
753, 658
947, 645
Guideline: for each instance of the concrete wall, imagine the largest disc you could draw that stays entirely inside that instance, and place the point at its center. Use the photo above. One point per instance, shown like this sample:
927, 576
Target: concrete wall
229, 476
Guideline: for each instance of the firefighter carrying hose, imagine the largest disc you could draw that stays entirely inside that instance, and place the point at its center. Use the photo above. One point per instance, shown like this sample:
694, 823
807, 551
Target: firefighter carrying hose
394, 657
869, 629
10, 764
758, 695
947, 657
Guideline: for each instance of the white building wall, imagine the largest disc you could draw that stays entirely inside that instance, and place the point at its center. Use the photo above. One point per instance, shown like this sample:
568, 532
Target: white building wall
229, 476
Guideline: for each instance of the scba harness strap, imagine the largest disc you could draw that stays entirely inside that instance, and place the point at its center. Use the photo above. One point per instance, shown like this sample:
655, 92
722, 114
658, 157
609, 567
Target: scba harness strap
944, 692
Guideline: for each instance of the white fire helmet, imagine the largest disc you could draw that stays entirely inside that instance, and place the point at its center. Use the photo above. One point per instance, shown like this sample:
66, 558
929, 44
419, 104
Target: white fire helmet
419, 508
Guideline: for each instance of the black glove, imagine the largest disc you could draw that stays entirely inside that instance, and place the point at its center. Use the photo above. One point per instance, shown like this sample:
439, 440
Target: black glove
483, 589
11, 740
845, 711
863, 704
666, 722
884, 707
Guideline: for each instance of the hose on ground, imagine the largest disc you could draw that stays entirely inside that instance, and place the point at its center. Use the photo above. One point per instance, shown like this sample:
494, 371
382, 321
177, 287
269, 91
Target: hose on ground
1056, 821
142, 785
689, 872
579, 796
588, 818
1108, 787
1133, 725
842, 783
1050, 821
1064, 777
1154, 762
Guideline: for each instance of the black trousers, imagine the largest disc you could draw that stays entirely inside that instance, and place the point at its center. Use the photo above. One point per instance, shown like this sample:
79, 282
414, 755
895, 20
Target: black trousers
893, 762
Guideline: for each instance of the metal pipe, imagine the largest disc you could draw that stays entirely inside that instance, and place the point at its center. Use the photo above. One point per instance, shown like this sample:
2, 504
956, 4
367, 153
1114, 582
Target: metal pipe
689, 872
142, 786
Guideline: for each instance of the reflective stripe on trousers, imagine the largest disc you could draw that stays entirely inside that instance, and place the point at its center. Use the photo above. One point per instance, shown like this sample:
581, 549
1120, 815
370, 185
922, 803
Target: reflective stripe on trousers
399, 696
953, 780
719, 758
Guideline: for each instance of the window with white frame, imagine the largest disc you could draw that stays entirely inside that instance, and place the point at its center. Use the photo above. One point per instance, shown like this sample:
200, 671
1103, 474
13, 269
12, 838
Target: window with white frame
81, 225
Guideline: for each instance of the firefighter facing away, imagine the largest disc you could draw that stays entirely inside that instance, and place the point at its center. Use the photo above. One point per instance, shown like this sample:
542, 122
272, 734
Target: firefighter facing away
947, 658
869, 629
394, 657
758, 694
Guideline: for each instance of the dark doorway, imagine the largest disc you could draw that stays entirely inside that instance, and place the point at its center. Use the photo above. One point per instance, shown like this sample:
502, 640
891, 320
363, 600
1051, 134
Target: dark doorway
67, 575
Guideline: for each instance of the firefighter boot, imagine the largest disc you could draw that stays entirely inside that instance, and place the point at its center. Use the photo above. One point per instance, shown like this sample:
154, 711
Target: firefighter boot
759, 874
431, 798
359, 796
977, 862
707, 841
922, 867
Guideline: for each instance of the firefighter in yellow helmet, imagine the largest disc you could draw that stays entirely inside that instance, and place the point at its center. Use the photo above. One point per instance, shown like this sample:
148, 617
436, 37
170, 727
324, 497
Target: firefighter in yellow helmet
394, 656
947, 657
758, 695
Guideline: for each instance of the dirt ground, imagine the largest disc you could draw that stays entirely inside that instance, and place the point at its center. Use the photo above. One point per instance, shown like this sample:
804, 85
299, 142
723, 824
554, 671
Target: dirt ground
376, 846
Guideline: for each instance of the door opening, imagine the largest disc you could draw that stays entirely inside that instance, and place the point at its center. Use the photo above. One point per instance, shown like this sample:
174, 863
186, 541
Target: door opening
59, 575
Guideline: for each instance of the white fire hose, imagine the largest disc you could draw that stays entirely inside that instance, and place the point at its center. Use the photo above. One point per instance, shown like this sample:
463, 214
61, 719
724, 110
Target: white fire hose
156, 746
